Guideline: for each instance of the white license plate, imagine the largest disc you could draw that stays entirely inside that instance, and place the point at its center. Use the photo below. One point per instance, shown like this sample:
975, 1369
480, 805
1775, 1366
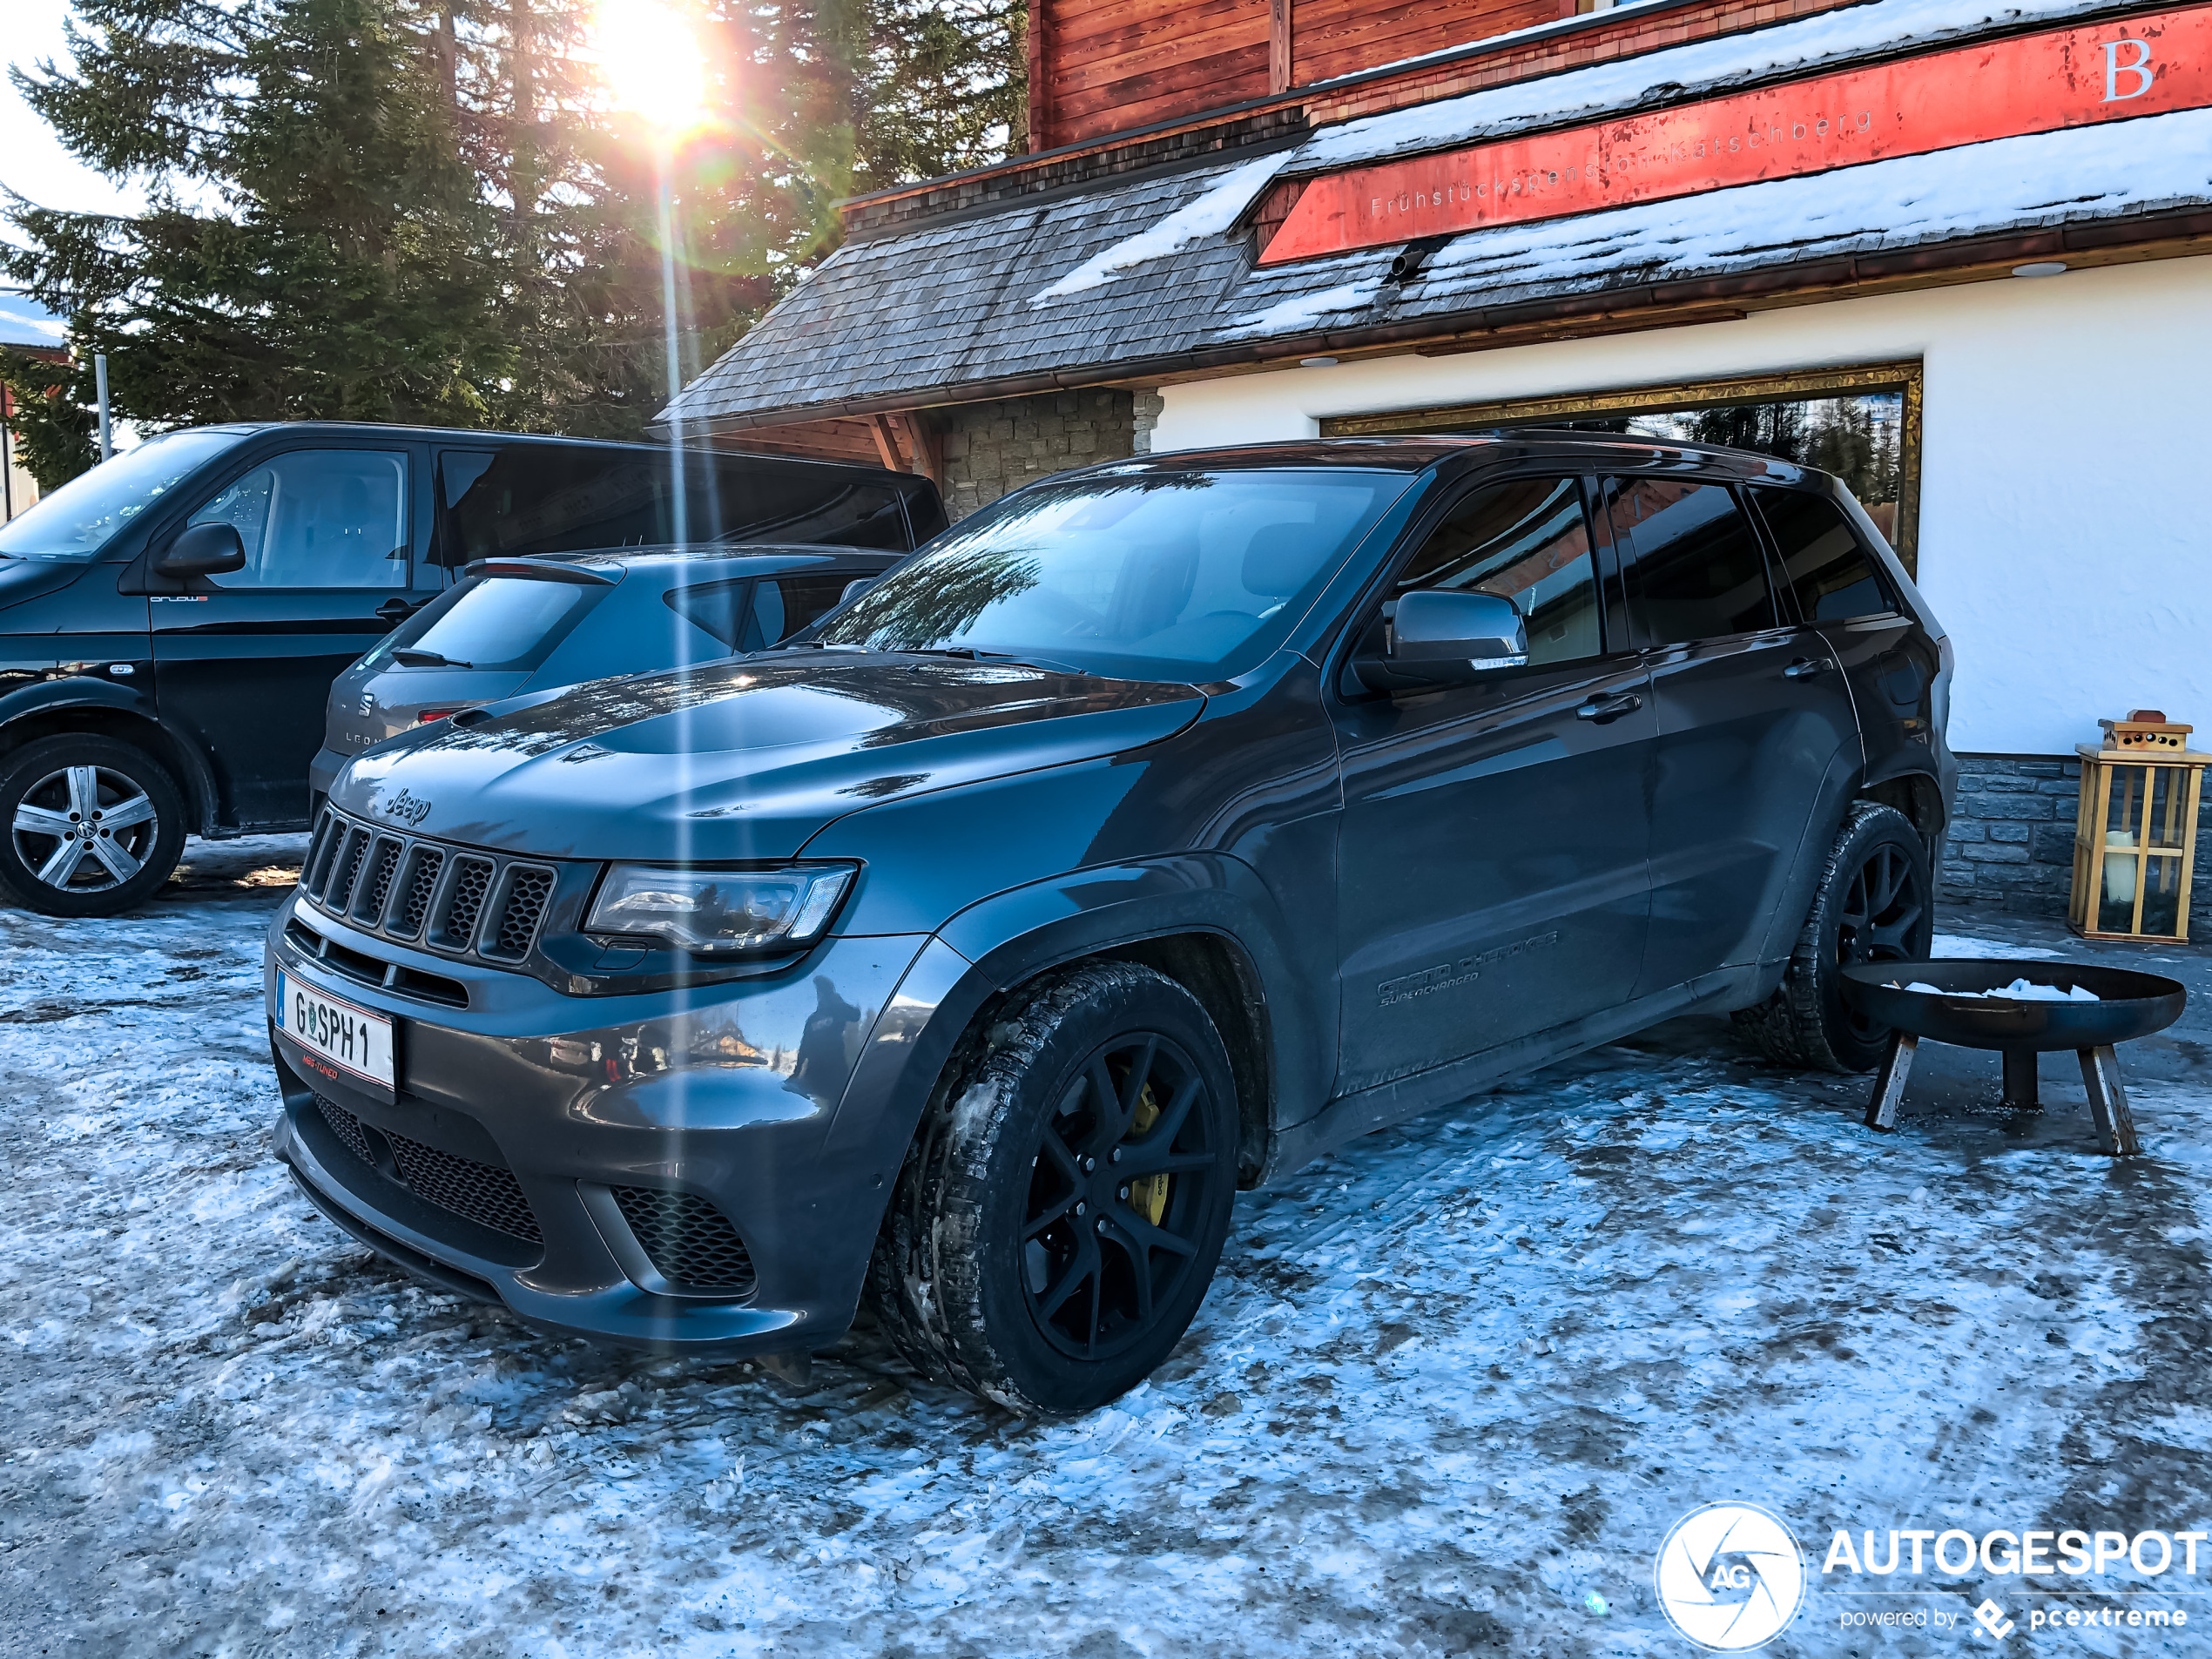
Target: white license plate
352, 1040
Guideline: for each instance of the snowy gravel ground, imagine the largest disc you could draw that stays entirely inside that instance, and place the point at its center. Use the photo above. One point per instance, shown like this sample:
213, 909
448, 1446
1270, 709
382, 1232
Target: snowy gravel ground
1449, 1393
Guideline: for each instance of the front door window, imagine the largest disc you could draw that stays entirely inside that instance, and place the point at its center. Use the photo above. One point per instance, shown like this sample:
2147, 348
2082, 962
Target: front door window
318, 518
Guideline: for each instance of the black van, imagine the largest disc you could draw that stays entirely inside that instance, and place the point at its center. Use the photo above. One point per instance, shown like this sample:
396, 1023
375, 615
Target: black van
172, 621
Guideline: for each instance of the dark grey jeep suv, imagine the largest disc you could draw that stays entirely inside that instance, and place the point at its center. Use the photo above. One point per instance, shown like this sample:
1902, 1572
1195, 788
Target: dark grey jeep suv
1140, 838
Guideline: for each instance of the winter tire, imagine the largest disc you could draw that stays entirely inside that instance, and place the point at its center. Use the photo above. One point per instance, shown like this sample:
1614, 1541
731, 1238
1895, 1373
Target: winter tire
94, 827
1875, 904
1061, 1209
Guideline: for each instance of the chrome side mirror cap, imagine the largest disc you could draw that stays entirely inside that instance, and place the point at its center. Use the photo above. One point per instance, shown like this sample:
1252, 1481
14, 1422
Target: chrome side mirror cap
1450, 637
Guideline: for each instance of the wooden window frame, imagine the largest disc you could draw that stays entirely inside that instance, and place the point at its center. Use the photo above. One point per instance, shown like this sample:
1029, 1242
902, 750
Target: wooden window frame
1905, 377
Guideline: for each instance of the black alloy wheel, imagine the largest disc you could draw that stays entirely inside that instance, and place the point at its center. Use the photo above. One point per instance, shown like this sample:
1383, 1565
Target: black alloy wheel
1875, 903
1118, 1199
93, 825
1060, 1213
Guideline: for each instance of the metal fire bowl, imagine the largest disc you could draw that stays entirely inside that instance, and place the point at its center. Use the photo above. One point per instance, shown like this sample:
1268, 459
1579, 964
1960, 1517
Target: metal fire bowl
2132, 1005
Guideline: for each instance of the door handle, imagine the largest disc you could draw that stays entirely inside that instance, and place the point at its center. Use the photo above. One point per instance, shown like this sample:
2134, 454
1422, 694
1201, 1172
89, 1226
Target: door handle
392, 610
1603, 710
1803, 669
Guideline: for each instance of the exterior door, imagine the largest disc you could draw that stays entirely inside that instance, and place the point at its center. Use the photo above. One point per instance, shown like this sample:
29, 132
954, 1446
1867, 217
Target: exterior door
1492, 872
243, 662
1753, 718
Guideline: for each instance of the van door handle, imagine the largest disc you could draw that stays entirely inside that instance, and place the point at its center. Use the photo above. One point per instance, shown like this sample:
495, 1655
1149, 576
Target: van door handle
1603, 710
1803, 668
392, 611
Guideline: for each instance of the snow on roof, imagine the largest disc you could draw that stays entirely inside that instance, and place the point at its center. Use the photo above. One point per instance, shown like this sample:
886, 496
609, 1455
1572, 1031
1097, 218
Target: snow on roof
1152, 266
1210, 214
1672, 73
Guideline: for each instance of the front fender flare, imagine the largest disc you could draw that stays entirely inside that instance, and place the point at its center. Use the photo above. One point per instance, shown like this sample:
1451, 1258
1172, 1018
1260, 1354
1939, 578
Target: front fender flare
83, 691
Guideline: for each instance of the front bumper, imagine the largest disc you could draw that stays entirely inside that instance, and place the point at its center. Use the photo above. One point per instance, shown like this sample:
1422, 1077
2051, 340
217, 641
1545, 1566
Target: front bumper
573, 1157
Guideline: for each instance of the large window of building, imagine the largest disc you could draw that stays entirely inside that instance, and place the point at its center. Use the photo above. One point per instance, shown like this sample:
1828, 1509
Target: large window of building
1862, 424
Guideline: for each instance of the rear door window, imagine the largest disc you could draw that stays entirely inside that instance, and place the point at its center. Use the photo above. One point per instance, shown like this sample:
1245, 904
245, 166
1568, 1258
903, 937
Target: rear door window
1826, 570
1698, 571
510, 623
753, 616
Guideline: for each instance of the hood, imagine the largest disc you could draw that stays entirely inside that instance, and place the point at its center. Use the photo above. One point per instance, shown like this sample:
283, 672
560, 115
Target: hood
746, 759
22, 580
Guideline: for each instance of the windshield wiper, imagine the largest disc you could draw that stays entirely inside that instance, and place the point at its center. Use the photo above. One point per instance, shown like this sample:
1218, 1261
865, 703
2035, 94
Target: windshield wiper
970, 654
408, 657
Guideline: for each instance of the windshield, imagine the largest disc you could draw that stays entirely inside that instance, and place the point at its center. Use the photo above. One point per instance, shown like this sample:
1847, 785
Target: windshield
493, 622
78, 520
1180, 575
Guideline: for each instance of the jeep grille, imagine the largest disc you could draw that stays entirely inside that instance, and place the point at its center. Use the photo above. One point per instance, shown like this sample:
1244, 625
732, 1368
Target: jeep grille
450, 898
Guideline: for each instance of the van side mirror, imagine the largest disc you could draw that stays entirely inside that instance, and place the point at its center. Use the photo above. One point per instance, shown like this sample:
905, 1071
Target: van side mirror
1443, 638
203, 550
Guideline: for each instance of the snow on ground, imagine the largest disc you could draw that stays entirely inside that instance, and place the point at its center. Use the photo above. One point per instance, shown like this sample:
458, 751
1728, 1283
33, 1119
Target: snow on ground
1449, 1393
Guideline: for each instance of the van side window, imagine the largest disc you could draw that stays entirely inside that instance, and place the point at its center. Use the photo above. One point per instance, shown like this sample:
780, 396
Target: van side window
1526, 541
531, 498
1698, 571
318, 518
1822, 560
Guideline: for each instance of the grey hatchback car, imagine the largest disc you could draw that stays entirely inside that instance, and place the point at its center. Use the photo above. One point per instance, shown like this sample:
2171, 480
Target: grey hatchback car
530, 624
1140, 838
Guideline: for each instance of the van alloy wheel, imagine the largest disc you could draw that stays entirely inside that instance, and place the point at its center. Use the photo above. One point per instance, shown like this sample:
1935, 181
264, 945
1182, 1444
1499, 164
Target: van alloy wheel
94, 826
1060, 1212
84, 829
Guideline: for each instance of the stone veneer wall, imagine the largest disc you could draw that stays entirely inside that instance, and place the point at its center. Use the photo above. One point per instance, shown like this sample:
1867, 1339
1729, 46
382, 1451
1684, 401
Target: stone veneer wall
2011, 842
992, 447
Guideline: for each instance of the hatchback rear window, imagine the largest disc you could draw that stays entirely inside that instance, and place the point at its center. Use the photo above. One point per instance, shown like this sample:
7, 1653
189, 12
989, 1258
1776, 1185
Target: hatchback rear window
496, 622
753, 616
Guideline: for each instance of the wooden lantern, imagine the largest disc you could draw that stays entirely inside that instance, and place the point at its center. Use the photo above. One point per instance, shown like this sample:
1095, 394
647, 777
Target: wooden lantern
2134, 831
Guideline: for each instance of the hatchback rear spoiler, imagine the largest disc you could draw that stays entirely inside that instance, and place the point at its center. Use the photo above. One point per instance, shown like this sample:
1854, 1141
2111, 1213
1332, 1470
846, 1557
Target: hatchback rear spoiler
543, 571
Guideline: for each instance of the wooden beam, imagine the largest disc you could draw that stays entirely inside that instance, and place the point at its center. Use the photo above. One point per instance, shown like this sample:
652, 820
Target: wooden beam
886, 441
1041, 136
1280, 53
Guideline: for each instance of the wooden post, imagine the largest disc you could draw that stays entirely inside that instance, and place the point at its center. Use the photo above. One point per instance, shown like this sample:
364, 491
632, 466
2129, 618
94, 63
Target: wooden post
1889, 1081
1280, 65
2109, 1103
1039, 76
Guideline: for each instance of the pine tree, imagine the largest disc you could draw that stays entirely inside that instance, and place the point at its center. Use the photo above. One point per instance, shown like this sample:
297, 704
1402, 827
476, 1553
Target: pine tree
425, 209
313, 247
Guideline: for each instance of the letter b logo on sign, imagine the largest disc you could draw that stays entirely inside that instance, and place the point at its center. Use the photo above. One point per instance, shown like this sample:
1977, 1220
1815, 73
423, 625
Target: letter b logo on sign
2139, 67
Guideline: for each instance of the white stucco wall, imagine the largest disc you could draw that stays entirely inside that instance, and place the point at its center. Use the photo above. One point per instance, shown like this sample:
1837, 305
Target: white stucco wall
2068, 445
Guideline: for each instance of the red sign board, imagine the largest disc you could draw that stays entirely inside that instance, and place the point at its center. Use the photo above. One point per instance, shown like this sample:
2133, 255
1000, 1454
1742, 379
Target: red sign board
2038, 83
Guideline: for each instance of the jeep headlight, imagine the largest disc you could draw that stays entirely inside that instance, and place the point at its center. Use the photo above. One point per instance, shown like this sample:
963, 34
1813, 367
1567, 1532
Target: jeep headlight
720, 912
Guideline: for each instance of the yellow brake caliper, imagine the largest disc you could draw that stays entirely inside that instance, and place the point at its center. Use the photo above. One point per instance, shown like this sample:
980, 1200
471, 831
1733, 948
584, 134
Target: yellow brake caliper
1148, 1195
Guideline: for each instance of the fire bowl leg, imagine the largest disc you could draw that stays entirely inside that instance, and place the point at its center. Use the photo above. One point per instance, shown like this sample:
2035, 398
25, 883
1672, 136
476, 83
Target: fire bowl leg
2019, 1081
1889, 1081
2109, 1103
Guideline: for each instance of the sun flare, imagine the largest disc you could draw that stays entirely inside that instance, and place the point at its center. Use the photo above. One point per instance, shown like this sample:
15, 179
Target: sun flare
650, 61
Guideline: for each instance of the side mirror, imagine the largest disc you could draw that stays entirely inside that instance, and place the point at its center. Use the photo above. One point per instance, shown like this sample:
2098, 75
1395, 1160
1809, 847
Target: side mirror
203, 550
1442, 637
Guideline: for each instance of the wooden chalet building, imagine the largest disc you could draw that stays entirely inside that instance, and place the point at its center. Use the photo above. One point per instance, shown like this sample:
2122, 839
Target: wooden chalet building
1959, 251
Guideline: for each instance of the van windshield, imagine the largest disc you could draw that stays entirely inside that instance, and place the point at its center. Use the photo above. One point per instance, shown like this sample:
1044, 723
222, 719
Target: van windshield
81, 517
1177, 575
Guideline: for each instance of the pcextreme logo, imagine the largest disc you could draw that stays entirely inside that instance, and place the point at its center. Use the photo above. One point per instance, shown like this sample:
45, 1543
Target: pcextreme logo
1731, 1576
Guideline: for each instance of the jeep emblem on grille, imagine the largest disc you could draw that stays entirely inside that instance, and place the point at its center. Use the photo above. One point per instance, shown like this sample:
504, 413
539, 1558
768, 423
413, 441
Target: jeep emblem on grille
409, 810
